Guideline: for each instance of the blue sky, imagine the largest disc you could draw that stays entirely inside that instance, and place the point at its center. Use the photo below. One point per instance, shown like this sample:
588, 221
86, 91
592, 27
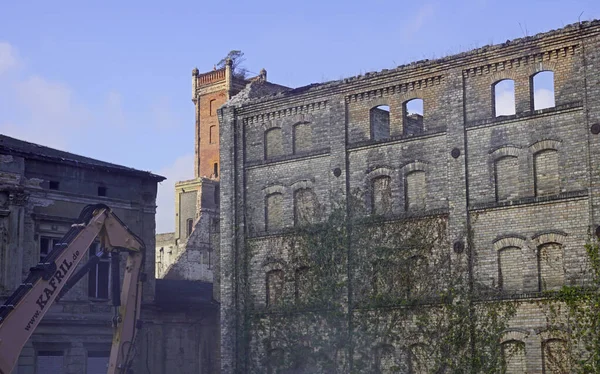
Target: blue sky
112, 79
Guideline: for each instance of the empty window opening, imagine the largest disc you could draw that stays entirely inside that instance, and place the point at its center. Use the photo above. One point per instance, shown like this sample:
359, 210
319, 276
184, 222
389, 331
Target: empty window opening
274, 212
504, 98
99, 275
213, 107
273, 143
216, 169
46, 246
213, 135
543, 90
380, 122
54, 185
189, 226
101, 191
413, 117
302, 138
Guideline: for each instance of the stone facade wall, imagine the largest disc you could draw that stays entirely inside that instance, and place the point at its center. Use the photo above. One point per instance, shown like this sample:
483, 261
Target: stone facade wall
525, 184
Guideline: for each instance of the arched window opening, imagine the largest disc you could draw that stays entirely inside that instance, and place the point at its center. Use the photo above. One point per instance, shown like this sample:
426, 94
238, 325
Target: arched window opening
555, 357
304, 207
274, 212
302, 284
189, 227
273, 143
302, 138
504, 98
513, 357
416, 191
510, 269
413, 117
213, 107
380, 122
213, 135
507, 178
274, 287
551, 270
381, 195
545, 171
543, 90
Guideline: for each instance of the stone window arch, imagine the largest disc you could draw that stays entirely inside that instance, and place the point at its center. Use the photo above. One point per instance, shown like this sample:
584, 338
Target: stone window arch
274, 211
273, 143
212, 105
503, 94
302, 137
542, 90
412, 116
379, 122
305, 202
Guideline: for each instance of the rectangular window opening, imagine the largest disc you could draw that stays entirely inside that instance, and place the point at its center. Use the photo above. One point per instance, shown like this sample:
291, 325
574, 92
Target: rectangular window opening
99, 275
53, 185
101, 191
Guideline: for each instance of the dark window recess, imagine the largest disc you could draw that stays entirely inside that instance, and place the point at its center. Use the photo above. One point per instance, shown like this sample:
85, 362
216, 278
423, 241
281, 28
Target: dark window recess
46, 246
101, 191
190, 224
216, 169
54, 185
99, 275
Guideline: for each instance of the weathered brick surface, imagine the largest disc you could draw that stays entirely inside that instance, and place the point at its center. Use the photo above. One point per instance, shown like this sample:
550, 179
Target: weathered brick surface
525, 184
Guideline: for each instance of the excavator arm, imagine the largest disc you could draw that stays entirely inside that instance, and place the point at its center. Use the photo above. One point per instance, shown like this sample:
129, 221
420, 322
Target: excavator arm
25, 308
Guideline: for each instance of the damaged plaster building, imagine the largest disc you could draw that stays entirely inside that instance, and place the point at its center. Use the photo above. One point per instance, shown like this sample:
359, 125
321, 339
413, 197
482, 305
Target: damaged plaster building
42, 192
525, 182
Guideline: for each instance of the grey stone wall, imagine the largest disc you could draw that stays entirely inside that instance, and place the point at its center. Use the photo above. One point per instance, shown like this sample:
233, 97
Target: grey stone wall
525, 184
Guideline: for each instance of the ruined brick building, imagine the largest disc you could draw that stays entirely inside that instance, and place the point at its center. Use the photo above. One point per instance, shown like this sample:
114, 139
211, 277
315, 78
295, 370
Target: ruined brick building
526, 181
42, 192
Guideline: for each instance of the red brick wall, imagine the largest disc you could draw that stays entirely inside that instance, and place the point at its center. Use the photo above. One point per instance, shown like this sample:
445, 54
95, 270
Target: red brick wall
208, 153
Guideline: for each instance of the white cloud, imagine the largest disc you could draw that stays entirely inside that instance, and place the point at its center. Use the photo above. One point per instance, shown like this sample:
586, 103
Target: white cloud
182, 169
505, 103
424, 13
48, 113
543, 98
8, 57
